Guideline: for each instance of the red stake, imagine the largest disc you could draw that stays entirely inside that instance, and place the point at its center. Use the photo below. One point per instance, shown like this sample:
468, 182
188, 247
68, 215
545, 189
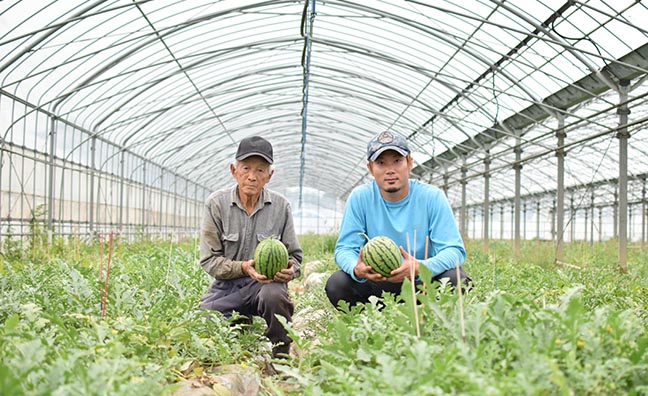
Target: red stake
101, 270
105, 289
100, 256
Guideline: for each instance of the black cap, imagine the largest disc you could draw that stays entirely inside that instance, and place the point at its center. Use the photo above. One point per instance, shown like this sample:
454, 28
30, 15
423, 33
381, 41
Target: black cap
254, 145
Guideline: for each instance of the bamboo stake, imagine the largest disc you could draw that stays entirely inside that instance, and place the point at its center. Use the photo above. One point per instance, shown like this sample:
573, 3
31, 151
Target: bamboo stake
461, 310
105, 289
425, 257
414, 305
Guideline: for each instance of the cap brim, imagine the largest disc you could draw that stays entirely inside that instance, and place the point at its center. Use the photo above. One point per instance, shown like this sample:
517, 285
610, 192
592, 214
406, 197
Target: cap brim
383, 149
252, 154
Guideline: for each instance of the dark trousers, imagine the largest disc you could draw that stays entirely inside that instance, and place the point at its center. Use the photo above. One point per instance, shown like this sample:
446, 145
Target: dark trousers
248, 297
341, 287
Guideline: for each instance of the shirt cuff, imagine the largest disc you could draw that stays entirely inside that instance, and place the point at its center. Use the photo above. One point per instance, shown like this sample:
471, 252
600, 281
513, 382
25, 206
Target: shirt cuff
355, 278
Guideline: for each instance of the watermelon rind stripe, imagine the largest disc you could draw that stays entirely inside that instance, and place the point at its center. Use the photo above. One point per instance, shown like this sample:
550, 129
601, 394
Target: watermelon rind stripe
384, 259
270, 257
382, 254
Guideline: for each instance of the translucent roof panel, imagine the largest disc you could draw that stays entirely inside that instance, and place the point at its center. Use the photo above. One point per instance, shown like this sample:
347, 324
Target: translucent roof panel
180, 83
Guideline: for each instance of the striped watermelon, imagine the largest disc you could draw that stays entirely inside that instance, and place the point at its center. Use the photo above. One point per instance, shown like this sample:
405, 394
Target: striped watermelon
270, 257
381, 254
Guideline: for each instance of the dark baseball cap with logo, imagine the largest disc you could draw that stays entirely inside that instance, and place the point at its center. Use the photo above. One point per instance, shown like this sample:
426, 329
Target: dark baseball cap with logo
254, 145
387, 141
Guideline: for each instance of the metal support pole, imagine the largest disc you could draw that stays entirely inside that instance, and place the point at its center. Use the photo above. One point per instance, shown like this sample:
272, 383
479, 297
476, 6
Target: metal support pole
600, 221
553, 221
585, 224
501, 236
516, 201
196, 221
572, 219
185, 216
307, 33
162, 224
492, 216
50, 189
643, 214
91, 200
463, 230
512, 226
615, 214
473, 219
623, 136
630, 228
486, 209
143, 222
121, 191
560, 190
538, 220
524, 221
175, 211
592, 222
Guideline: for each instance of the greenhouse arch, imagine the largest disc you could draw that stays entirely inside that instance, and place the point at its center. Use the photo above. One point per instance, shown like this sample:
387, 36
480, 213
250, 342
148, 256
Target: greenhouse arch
124, 115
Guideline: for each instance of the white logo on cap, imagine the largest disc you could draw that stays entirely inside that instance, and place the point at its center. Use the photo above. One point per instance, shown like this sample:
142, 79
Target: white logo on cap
386, 137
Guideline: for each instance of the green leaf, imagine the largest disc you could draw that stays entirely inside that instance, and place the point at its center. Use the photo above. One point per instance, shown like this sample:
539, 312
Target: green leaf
11, 323
406, 295
363, 355
425, 274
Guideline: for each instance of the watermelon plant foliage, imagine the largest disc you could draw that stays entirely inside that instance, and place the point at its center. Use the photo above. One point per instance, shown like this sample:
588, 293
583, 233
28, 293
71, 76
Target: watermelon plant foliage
53, 340
543, 330
532, 328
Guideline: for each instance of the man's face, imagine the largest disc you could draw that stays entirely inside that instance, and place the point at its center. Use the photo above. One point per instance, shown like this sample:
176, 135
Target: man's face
391, 171
251, 175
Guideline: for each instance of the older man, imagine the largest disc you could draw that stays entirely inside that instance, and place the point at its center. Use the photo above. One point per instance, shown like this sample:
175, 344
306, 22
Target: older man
235, 220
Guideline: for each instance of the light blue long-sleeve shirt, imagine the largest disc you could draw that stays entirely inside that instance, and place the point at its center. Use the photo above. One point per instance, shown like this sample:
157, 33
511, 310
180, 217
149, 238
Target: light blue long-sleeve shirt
425, 209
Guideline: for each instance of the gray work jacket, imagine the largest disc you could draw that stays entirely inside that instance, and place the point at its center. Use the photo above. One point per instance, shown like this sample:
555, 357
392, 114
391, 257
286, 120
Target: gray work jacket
229, 235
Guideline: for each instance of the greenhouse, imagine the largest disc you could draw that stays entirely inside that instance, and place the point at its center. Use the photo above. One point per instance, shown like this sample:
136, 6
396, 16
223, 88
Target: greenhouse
120, 118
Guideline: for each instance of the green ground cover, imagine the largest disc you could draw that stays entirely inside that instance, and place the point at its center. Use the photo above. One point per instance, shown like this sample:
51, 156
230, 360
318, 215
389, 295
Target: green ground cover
528, 327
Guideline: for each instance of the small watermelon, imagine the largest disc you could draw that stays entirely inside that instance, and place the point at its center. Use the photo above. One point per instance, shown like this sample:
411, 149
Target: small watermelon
270, 257
381, 254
